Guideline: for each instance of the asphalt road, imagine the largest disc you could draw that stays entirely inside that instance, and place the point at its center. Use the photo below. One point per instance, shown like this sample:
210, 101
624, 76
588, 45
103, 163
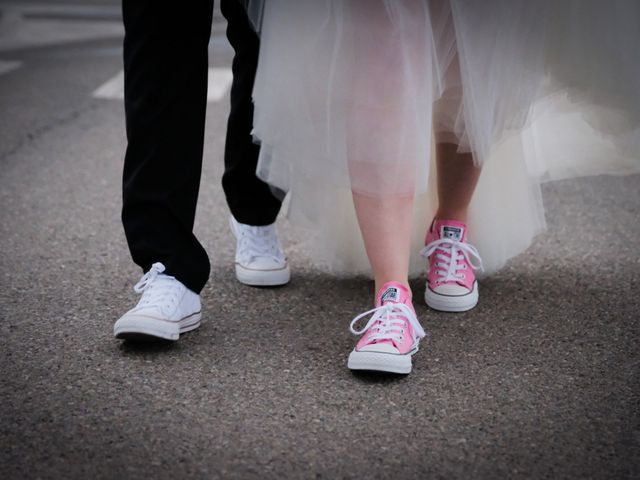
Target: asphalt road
539, 381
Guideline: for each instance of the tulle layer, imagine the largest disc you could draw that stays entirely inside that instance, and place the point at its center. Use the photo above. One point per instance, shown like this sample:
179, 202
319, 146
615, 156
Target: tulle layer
350, 94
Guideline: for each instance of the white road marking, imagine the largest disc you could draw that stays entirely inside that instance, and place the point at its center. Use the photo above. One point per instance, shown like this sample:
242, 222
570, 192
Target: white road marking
29, 25
218, 86
6, 67
219, 83
111, 89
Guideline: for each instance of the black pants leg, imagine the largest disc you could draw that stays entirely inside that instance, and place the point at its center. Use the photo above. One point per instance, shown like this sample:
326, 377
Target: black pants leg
249, 198
165, 65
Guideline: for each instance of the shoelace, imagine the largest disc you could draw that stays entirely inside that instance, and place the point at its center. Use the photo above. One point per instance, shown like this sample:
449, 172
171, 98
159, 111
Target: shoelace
456, 251
255, 242
390, 319
156, 292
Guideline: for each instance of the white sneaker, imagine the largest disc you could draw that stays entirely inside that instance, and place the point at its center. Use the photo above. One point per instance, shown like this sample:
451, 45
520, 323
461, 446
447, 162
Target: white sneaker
260, 260
167, 309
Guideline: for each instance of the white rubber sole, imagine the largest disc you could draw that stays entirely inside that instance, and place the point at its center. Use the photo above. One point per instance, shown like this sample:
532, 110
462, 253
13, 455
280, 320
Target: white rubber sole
145, 328
380, 362
263, 278
452, 303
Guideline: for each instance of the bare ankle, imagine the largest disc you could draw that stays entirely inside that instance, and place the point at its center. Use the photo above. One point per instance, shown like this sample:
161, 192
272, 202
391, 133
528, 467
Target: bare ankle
457, 215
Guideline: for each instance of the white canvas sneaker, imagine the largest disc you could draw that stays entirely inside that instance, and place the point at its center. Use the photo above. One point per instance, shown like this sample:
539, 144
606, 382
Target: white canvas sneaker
260, 260
167, 309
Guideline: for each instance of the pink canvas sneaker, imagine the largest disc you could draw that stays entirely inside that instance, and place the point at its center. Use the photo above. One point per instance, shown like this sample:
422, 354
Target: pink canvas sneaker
451, 284
391, 335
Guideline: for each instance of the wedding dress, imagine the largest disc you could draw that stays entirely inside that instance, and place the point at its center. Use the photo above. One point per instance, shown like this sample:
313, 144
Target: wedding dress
348, 94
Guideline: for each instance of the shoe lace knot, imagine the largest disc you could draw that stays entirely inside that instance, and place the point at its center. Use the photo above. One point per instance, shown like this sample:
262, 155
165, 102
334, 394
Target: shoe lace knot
389, 322
449, 258
149, 277
159, 290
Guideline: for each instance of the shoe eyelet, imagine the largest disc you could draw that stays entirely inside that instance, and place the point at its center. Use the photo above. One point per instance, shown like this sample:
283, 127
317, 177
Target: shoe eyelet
463, 276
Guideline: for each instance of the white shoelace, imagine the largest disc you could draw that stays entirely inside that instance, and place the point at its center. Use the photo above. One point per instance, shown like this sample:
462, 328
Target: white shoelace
392, 319
448, 265
257, 242
161, 292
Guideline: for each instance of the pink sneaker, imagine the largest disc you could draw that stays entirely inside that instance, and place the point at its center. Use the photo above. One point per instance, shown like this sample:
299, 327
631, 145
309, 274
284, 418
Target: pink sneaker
451, 284
391, 335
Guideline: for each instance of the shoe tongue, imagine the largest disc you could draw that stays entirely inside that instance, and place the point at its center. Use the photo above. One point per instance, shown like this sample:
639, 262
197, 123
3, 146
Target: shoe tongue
392, 292
452, 230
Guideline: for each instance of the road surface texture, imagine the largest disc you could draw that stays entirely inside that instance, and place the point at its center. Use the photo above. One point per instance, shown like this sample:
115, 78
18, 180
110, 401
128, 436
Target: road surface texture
539, 381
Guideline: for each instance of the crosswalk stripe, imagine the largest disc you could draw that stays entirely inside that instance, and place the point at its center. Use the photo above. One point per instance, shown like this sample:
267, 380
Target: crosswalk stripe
6, 67
219, 83
111, 89
18, 31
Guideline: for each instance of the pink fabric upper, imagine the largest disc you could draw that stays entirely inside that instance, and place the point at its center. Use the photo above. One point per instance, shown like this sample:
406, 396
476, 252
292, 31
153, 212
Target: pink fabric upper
456, 231
392, 292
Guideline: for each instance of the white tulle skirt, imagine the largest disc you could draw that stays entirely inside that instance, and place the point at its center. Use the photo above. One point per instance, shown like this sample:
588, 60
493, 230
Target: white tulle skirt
350, 94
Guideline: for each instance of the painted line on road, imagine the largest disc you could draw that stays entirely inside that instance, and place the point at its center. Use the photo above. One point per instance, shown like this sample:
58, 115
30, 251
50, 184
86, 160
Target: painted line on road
112, 89
219, 83
25, 26
6, 67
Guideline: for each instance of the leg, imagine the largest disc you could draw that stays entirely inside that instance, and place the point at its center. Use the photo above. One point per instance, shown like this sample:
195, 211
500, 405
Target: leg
451, 284
165, 64
387, 242
383, 150
249, 198
457, 176
457, 180
259, 260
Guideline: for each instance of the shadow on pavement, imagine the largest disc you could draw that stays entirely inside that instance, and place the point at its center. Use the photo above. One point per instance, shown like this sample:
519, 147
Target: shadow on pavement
364, 376
146, 347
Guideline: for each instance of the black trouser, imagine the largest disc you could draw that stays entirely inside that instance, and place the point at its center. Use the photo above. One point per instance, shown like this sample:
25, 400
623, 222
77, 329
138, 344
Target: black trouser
165, 65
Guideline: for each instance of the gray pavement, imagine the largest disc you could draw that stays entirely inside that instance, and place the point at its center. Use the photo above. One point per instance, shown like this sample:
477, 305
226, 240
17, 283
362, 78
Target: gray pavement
539, 381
